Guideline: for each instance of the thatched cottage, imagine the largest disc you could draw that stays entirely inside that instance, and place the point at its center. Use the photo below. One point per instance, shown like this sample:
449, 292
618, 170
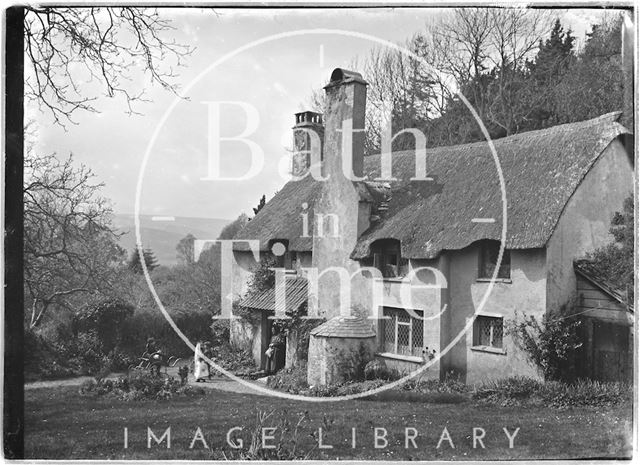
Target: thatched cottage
435, 241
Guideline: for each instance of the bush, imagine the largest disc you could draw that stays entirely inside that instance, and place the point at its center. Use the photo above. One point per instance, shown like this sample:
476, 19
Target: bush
85, 353
144, 324
139, 386
377, 369
238, 362
551, 345
291, 380
44, 359
104, 320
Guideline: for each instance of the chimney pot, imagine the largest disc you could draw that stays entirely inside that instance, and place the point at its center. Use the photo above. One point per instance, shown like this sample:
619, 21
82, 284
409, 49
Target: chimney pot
306, 121
342, 76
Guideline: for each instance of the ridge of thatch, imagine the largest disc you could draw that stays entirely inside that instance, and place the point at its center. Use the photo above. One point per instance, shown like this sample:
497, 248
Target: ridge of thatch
541, 171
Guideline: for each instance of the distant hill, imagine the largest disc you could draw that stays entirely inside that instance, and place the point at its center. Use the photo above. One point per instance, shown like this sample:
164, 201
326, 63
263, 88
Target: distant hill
163, 236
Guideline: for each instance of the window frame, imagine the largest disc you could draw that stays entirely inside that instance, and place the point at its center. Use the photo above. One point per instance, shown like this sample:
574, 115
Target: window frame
484, 251
415, 351
476, 336
386, 256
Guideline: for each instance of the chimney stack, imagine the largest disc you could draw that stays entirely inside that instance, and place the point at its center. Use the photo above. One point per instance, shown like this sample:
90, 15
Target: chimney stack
308, 125
344, 123
338, 205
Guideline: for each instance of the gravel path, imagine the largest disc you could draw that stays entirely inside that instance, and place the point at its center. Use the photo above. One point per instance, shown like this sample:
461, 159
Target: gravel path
217, 383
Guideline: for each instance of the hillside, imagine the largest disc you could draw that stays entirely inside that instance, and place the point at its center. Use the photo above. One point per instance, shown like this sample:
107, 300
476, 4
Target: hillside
163, 236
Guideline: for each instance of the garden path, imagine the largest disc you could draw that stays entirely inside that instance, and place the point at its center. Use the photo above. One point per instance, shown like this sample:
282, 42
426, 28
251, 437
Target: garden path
218, 383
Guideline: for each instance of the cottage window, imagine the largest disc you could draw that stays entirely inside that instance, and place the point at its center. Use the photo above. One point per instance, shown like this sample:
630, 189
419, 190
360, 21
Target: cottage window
387, 258
401, 333
284, 258
488, 332
489, 251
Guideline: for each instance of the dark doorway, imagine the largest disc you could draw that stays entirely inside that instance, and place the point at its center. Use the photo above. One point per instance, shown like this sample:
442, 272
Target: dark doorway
277, 342
610, 351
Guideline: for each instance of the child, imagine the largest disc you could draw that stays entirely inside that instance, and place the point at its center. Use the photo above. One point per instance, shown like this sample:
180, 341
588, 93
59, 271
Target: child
201, 369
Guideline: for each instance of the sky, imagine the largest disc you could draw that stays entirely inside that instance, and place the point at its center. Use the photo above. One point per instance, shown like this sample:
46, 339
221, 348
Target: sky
274, 78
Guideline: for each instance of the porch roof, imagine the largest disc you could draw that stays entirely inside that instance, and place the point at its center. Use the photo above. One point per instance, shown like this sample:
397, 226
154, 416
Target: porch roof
296, 293
587, 270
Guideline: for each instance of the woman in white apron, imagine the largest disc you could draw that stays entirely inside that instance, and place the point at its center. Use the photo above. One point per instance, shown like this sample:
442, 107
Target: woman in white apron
201, 369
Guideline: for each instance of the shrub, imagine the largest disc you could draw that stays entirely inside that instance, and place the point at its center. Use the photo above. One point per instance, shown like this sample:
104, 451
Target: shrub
551, 345
86, 353
291, 380
220, 332
104, 320
44, 359
239, 362
139, 386
145, 323
375, 369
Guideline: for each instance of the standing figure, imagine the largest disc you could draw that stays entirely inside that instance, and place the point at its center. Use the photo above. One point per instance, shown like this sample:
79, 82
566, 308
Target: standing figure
208, 352
275, 352
201, 369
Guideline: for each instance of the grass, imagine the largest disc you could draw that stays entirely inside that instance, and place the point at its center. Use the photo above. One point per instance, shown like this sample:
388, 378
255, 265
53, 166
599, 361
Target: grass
60, 424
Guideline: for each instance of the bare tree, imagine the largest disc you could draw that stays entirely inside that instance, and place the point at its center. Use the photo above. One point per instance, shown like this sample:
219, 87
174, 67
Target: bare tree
492, 42
70, 50
70, 247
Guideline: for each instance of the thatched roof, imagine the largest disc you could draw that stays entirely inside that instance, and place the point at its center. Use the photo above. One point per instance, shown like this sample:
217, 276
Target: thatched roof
280, 217
541, 170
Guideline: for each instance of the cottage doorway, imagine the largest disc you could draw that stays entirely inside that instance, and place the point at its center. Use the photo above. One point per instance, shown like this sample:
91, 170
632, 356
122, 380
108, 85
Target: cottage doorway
277, 343
610, 351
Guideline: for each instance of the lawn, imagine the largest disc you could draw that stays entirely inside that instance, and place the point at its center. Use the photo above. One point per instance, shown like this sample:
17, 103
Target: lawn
61, 424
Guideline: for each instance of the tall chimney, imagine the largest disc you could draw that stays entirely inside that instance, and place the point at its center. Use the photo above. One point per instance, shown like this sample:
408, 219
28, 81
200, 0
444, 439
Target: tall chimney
345, 109
308, 125
337, 207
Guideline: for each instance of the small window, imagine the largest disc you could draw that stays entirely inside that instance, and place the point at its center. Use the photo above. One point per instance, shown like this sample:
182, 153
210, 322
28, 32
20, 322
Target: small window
284, 258
488, 332
387, 258
489, 251
402, 334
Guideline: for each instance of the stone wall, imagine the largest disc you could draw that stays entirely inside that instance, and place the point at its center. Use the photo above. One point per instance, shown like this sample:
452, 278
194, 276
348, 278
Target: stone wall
335, 360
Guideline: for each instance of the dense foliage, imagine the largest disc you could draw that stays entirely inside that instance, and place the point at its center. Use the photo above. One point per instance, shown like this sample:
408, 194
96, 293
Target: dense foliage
519, 69
551, 344
614, 262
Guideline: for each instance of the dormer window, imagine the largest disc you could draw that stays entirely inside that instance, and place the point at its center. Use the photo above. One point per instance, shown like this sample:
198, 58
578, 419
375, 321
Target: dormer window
489, 251
284, 258
387, 258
